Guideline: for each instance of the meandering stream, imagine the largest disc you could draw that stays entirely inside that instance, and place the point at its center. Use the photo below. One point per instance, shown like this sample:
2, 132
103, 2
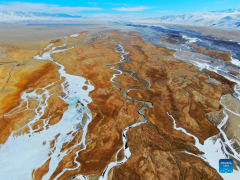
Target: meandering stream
145, 104
33, 149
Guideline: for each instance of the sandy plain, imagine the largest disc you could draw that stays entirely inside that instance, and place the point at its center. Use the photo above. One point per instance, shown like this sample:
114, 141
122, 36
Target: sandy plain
43, 31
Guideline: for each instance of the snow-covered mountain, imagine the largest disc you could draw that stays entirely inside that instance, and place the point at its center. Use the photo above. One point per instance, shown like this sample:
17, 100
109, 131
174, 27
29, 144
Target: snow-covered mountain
227, 18
13, 16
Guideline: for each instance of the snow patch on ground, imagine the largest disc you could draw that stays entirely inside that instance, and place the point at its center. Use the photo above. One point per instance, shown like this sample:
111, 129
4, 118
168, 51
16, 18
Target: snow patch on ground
212, 149
31, 150
235, 61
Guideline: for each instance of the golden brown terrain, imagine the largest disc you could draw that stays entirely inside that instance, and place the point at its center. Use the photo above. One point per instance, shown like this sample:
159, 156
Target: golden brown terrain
26, 74
158, 150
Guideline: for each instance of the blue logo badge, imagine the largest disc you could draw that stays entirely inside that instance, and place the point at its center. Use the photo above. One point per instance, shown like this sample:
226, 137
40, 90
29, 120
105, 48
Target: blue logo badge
225, 165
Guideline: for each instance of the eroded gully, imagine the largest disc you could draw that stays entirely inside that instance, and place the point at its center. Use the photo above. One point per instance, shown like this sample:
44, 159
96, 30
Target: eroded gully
119, 69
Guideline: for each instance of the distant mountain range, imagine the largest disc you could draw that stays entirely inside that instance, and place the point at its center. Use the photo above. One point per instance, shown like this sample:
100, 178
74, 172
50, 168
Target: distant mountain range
12, 16
226, 18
